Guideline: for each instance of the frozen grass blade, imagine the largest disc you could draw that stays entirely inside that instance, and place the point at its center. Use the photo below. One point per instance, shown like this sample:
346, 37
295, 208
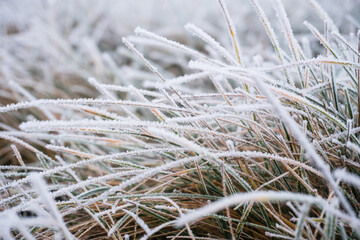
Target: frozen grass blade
232, 31
212, 42
40, 187
263, 197
270, 32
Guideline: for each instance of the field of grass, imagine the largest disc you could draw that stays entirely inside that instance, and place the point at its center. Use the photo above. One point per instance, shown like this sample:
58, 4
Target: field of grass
209, 119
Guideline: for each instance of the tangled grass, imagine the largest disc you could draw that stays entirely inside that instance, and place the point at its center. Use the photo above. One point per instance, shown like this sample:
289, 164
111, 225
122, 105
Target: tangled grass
190, 140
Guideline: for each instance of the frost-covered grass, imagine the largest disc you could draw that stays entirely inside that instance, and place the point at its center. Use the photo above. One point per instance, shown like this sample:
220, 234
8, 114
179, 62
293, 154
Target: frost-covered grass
244, 124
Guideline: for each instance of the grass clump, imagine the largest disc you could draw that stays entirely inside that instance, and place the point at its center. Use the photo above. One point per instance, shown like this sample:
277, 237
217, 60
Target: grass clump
188, 140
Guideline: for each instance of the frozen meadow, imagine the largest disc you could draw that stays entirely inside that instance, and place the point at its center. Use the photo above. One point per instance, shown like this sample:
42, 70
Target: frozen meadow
180, 119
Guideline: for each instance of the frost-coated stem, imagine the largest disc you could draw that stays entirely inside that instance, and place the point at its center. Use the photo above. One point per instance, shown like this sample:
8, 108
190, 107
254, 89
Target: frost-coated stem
39, 185
264, 196
271, 34
232, 30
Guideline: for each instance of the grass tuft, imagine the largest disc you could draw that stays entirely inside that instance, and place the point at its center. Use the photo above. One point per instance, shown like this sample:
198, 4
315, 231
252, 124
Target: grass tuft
163, 135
